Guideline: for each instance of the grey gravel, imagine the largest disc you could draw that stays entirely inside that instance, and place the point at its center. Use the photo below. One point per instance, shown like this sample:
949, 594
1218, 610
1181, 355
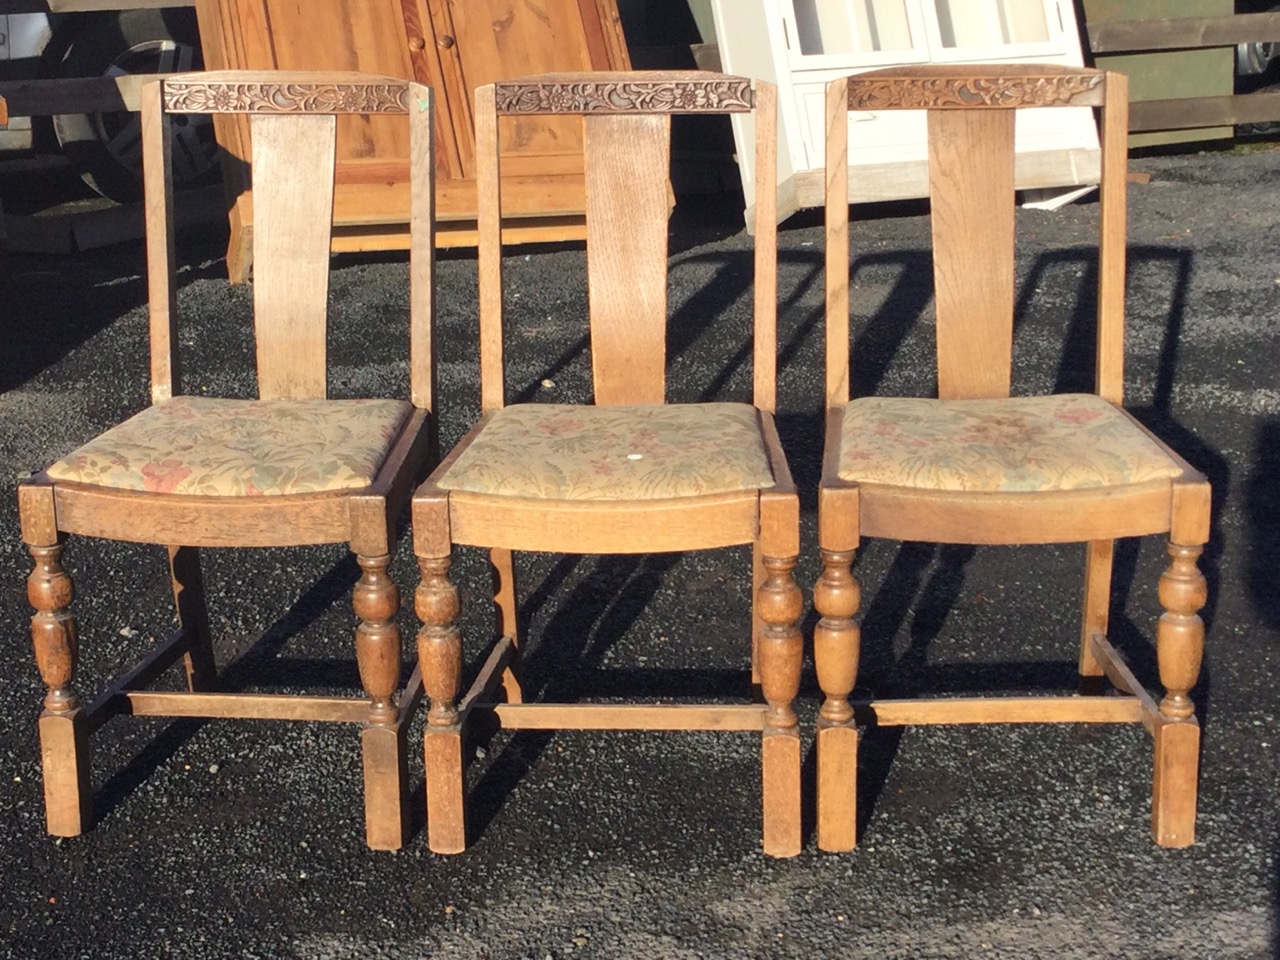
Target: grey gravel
245, 840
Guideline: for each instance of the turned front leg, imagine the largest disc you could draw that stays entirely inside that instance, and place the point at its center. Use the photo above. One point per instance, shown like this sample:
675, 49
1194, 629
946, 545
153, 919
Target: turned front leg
836, 640
440, 656
63, 735
1179, 650
376, 602
780, 650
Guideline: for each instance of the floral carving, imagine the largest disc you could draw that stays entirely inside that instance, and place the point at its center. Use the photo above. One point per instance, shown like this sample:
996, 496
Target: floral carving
215, 96
723, 94
943, 92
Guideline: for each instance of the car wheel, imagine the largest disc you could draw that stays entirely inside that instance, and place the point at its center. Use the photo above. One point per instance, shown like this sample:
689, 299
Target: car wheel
1258, 69
1254, 59
106, 148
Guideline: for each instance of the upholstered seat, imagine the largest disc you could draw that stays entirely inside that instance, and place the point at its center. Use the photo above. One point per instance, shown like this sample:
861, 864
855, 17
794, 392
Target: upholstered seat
625, 452
210, 446
1069, 441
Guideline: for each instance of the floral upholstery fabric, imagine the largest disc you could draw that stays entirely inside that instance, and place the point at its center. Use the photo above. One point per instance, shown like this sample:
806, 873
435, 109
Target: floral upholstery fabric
642, 452
1063, 442
209, 446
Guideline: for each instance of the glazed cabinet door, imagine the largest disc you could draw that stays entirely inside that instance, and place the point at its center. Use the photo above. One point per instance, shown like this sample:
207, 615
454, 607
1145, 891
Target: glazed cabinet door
977, 30
836, 34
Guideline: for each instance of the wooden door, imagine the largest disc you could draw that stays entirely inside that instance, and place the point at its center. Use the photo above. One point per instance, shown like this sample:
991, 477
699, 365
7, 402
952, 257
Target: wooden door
452, 46
365, 36
482, 41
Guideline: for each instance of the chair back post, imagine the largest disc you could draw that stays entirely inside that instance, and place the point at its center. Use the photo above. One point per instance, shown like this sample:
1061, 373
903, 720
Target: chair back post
1111, 240
422, 246
971, 118
765, 305
489, 249
157, 187
836, 222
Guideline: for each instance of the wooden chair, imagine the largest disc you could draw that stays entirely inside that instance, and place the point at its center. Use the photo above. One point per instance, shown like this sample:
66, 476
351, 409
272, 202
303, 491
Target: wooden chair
629, 474
289, 468
977, 466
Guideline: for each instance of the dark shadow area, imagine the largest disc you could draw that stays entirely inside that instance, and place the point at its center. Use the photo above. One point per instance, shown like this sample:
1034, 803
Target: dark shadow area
861, 212
47, 315
566, 664
262, 665
259, 665
51, 309
1262, 503
600, 607
700, 218
1275, 913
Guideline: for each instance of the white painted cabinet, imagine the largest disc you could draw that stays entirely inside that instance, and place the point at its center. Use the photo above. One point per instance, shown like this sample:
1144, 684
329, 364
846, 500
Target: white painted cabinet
802, 44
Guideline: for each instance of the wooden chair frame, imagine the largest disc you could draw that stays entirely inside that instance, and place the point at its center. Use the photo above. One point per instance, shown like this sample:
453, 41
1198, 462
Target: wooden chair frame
970, 109
627, 120
290, 112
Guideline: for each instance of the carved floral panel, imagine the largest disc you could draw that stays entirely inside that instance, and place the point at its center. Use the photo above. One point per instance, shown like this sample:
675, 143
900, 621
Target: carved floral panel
943, 92
214, 96
722, 94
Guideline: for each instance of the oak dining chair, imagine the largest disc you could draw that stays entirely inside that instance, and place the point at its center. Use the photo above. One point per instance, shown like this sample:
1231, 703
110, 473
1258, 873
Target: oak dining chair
629, 473
979, 465
290, 467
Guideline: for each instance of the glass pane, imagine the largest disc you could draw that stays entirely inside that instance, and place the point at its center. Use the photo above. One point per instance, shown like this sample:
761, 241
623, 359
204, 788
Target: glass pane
882, 25
851, 26
1024, 21
824, 27
991, 23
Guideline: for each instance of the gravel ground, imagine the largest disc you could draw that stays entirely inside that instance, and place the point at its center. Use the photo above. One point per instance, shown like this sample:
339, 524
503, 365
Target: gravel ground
245, 840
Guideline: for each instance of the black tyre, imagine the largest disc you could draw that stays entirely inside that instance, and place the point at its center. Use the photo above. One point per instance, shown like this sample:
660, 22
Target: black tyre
1258, 66
106, 148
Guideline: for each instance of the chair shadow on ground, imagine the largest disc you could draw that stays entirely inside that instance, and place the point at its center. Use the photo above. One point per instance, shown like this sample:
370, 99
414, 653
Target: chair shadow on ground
604, 604
1262, 582
260, 665
50, 311
1275, 934
925, 580
1262, 504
